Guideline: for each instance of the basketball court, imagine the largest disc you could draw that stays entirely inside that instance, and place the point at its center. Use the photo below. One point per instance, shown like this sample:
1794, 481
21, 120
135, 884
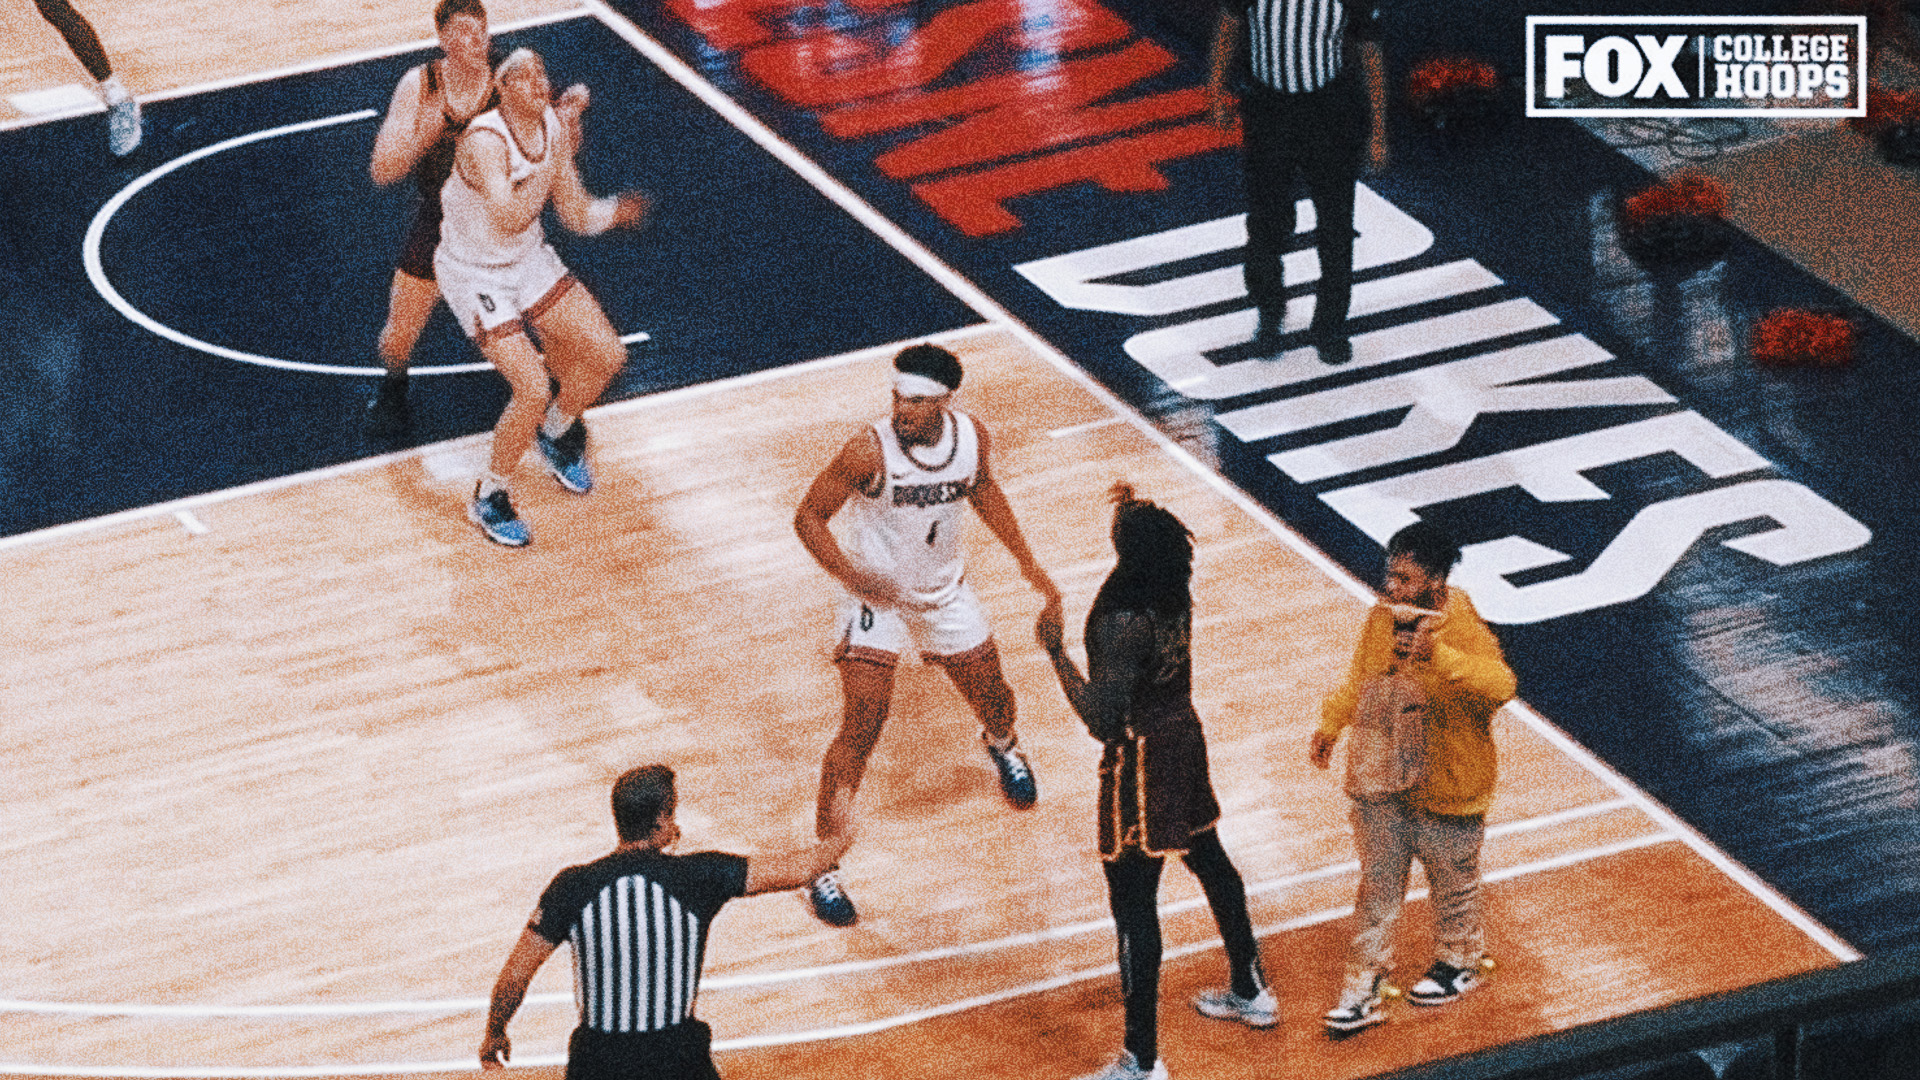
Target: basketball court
295, 750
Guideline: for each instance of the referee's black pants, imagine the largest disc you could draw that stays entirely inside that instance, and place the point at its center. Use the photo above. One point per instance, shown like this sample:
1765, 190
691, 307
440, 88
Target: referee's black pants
1320, 136
1133, 891
681, 1052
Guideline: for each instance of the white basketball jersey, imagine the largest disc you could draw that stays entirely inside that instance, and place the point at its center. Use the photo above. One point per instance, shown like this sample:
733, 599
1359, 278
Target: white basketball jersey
910, 530
467, 232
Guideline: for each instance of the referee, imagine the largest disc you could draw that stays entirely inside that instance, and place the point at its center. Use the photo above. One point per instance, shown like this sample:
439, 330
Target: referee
1307, 112
637, 921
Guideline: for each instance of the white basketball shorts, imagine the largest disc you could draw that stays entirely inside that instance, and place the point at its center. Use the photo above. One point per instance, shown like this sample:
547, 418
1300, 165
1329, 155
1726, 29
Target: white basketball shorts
492, 302
882, 635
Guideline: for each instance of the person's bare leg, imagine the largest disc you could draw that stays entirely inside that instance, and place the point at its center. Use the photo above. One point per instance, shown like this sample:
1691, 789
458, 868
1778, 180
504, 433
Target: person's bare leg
410, 303
583, 355
977, 674
867, 692
866, 688
516, 359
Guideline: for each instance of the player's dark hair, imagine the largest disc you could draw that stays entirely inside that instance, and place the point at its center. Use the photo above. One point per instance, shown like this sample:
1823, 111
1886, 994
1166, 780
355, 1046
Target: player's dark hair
445, 10
640, 797
1431, 547
932, 361
1155, 568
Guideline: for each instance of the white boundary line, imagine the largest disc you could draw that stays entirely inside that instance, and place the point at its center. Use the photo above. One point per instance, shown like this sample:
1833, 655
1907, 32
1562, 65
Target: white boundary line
305, 67
770, 978
97, 273
840, 1031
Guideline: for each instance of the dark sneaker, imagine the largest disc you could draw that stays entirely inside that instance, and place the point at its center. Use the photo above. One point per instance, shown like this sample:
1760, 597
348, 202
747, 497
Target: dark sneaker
1259, 1011
566, 458
389, 415
831, 904
1016, 776
494, 514
1359, 1005
1444, 983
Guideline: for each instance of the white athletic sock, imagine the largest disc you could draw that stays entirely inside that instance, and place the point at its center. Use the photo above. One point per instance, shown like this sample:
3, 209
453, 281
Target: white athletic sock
1002, 745
112, 91
490, 482
556, 423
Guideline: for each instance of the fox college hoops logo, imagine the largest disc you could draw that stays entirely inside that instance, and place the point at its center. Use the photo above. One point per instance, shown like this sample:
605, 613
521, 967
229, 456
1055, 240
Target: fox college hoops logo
1683, 66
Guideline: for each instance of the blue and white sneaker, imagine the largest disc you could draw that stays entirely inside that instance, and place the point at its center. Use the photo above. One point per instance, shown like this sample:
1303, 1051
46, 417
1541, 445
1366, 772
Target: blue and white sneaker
494, 514
566, 458
1016, 776
831, 904
1127, 1067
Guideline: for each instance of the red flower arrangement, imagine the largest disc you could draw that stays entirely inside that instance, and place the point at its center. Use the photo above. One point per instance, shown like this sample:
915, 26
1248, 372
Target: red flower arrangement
1453, 89
1793, 337
1678, 220
1892, 122
1886, 108
1684, 194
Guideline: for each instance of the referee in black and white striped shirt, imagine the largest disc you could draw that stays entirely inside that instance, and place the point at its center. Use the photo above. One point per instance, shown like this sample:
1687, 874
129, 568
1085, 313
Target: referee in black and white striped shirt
1307, 112
637, 922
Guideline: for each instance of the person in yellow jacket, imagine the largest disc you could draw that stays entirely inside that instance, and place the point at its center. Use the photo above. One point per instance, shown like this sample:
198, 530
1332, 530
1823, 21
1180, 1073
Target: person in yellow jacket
1427, 636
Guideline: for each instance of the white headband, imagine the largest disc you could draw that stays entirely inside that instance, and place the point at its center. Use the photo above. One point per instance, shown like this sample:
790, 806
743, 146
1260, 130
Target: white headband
911, 385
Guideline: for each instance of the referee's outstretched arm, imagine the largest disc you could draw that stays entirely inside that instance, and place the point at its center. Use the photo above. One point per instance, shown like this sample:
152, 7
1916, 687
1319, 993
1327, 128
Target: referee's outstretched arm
796, 869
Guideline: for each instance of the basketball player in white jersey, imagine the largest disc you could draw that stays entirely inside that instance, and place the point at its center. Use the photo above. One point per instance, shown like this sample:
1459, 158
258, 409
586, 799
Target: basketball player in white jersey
904, 480
498, 273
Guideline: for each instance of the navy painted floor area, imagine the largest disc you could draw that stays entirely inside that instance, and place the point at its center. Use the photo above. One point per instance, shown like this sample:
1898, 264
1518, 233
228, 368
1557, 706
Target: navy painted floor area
283, 248
1768, 702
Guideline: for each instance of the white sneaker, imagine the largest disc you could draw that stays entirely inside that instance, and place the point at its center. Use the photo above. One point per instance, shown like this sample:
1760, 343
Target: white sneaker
1259, 1011
123, 126
1127, 1067
1359, 1004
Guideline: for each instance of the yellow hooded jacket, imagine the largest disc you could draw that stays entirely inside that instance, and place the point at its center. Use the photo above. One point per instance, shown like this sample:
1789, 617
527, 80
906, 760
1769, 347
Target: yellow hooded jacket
1466, 683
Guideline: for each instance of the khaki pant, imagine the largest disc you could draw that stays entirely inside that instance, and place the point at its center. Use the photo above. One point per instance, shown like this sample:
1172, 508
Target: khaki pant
1390, 834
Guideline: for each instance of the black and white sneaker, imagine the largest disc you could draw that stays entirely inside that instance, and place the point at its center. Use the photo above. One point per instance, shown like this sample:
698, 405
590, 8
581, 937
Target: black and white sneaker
1444, 983
566, 458
1359, 1005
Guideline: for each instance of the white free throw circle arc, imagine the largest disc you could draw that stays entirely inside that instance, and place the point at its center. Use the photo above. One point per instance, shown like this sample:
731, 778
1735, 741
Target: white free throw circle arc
90, 253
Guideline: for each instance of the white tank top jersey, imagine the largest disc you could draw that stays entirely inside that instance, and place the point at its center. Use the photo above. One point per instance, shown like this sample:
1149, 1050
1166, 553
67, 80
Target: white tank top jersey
468, 233
909, 531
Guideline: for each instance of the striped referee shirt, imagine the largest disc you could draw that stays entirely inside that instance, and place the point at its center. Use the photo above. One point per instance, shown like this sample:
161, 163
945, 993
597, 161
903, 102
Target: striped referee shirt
1298, 46
637, 923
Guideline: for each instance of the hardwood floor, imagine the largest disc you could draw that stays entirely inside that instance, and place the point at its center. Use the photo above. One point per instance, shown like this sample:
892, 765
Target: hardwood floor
326, 752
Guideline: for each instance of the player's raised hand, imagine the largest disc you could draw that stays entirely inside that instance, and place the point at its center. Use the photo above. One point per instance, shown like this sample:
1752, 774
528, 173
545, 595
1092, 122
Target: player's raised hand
574, 99
568, 107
